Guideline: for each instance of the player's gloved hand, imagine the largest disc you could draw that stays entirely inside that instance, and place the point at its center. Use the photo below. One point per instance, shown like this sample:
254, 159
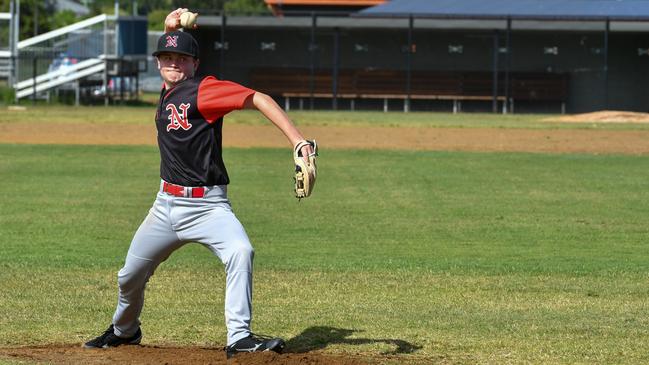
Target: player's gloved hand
304, 154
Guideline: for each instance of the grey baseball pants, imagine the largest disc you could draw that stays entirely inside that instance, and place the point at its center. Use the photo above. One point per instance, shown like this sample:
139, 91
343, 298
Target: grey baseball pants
171, 223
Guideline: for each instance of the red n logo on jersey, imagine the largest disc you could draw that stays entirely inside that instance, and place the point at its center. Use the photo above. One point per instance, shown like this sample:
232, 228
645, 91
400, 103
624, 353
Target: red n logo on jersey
176, 120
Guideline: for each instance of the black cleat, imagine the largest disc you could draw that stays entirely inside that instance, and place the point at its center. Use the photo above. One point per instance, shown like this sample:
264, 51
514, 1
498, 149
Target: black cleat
109, 339
254, 343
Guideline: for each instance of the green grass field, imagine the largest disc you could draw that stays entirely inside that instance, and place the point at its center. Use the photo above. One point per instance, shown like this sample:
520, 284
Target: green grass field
487, 258
143, 115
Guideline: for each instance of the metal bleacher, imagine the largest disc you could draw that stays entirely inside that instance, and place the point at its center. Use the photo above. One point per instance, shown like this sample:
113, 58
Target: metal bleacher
84, 42
84, 57
5, 68
5, 47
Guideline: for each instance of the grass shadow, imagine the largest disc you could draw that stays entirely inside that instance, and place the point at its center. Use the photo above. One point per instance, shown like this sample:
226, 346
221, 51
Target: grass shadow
319, 337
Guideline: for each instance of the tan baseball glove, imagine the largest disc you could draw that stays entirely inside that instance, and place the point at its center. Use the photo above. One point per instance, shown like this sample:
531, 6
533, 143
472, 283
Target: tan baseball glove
305, 171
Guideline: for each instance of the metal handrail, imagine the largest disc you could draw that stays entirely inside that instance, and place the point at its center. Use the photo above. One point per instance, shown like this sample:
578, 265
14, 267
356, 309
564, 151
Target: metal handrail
60, 81
54, 74
67, 29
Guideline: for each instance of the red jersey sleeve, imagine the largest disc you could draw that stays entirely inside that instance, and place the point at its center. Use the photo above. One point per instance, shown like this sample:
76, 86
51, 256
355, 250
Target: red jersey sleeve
217, 98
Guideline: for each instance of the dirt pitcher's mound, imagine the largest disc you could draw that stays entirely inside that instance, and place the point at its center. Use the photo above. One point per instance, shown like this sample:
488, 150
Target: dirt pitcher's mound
153, 355
604, 116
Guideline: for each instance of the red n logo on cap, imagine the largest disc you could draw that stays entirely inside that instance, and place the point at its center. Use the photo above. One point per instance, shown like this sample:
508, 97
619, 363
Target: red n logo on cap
172, 41
176, 120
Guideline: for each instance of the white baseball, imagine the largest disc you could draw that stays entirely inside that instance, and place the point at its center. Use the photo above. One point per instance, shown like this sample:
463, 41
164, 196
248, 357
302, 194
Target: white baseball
188, 19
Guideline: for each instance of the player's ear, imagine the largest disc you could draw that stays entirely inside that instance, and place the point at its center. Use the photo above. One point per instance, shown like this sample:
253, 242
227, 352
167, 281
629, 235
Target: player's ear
157, 61
196, 63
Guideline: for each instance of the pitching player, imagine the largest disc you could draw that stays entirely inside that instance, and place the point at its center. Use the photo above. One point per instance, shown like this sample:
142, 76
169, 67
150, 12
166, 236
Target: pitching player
192, 204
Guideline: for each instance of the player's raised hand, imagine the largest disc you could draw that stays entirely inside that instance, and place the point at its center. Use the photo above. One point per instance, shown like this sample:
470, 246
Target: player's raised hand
172, 21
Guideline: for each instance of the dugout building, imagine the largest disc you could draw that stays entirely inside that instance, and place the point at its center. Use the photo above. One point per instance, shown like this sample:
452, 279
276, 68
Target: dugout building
473, 55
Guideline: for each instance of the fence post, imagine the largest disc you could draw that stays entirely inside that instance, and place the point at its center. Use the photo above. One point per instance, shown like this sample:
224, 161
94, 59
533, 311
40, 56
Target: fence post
16, 36
12, 48
77, 92
34, 80
494, 91
406, 102
105, 75
312, 49
222, 50
606, 33
506, 108
336, 65
121, 80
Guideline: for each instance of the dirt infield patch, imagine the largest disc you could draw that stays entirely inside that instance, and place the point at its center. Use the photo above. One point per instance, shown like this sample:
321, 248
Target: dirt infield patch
604, 116
409, 138
153, 355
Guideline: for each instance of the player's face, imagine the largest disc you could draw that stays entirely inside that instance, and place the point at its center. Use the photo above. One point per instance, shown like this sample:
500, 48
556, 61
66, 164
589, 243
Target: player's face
176, 67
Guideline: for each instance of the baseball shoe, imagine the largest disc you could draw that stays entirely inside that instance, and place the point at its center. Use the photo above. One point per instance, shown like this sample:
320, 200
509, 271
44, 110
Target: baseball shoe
255, 343
109, 339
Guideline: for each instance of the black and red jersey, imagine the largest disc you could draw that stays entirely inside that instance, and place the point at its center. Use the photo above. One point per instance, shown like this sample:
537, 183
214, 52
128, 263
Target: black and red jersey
189, 122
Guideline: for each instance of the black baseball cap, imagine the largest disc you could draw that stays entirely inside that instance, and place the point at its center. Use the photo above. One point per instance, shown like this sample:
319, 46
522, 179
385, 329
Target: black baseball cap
177, 42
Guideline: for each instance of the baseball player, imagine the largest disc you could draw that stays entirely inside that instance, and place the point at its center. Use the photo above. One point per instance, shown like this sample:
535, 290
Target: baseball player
192, 204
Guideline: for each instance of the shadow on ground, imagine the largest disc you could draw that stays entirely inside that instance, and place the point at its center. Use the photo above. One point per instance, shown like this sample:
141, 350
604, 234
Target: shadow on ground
319, 337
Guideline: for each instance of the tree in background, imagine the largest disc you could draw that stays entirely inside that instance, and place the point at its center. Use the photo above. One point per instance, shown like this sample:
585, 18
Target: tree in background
204, 6
145, 7
156, 14
34, 17
246, 7
40, 16
63, 18
155, 19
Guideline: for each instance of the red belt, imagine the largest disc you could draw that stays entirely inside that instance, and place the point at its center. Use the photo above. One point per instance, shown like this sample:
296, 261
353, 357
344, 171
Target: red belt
183, 191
